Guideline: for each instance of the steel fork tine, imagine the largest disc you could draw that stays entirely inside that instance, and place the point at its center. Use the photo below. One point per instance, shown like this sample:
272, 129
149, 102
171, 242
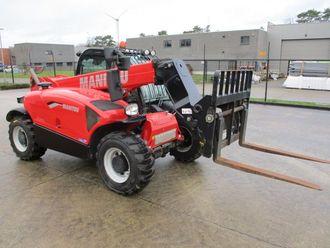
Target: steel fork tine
266, 173
282, 152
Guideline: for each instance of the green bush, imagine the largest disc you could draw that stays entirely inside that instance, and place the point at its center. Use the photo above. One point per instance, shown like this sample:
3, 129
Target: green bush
9, 86
291, 103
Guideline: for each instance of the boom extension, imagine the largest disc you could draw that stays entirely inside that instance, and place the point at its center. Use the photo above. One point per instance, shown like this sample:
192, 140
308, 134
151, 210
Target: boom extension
231, 93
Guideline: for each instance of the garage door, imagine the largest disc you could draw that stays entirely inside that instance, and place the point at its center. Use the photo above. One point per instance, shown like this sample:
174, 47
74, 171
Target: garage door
306, 49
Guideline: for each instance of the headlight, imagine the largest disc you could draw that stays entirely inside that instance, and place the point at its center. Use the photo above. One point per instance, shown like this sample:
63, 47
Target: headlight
209, 118
153, 53
132, 109
146, 52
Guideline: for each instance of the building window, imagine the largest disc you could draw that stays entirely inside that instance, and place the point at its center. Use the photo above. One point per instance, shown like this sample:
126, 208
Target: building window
36, 64
59, 64
245, 40
167, 43
185, 43
49, 64
69, 63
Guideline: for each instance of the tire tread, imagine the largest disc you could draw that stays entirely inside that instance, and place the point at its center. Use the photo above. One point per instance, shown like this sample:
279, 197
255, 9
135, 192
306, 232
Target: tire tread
142, 156
34, 151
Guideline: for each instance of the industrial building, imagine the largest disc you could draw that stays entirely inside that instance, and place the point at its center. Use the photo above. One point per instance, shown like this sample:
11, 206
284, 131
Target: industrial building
228, 49
5, 52
41, 54
219, 45
309, 41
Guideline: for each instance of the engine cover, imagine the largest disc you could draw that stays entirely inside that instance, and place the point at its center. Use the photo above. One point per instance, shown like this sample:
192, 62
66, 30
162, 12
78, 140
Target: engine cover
160, 128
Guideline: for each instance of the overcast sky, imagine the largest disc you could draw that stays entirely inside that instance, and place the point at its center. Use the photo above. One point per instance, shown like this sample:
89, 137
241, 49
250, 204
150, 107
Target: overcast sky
73, 21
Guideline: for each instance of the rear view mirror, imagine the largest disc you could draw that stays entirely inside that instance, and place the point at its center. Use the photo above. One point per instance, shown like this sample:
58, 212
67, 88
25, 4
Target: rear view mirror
109, 53
124, 63
114, 55
114, 85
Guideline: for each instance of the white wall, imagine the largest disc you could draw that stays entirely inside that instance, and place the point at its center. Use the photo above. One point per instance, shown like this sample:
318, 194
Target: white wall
277, 33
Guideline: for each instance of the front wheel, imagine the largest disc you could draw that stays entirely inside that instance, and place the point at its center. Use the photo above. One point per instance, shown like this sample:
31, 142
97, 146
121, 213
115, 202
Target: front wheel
124, 162
22, 139
190, 148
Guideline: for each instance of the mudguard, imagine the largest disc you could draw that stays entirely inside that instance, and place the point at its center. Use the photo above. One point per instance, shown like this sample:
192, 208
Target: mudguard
160, 128
21, 111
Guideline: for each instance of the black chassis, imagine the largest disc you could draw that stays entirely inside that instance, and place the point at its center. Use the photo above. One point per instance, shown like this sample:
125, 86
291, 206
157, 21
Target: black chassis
221, 117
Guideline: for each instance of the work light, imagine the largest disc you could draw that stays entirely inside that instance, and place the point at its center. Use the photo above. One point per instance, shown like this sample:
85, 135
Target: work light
132, 109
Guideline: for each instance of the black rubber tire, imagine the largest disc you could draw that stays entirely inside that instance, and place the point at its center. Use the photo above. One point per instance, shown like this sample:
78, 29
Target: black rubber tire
33, 151
193, 137
139, 157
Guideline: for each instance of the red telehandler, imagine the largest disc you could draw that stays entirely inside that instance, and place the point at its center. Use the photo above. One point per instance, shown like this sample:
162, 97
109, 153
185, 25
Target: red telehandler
125, 108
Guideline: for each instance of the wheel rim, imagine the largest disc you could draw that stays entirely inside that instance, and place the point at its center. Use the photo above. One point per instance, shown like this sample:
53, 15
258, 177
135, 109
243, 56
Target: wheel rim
20, 139
116, 165
186, 144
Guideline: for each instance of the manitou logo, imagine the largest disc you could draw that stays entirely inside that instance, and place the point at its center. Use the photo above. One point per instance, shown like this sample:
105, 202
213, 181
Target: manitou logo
100, 80
123, 77
94, 81
53, 105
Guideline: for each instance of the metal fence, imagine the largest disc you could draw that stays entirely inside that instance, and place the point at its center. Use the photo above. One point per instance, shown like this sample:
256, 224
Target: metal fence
268, 76
17, 73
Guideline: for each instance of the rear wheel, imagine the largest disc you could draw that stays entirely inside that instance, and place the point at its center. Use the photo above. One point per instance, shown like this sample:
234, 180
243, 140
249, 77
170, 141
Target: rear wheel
22, 139
124, 162
190, 148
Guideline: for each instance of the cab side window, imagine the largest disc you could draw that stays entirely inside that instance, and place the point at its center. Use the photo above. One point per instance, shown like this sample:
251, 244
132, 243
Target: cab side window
92, 64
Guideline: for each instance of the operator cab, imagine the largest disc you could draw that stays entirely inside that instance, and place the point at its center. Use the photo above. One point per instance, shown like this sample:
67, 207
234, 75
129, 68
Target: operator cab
93, 60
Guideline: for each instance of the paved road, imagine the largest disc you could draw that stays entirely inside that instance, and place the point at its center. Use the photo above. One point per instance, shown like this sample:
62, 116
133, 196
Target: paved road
59, 201
276, 91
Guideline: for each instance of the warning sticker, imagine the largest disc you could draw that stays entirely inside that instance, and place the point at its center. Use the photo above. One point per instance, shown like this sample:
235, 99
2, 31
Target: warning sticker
186, 111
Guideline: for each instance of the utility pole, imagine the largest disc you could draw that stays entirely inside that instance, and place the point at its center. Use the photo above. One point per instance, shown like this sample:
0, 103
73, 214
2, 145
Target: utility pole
2, 59
51, 52
117, 23
267, 72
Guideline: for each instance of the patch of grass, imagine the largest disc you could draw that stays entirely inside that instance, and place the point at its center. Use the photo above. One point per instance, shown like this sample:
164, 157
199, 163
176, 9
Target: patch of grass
10, 86
198, 78
292, 103
45, 73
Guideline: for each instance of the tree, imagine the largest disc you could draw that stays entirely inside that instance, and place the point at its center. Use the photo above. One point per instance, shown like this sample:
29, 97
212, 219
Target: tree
100, 41
326, 15
312, 15
162, 32
197, 29
142, 35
